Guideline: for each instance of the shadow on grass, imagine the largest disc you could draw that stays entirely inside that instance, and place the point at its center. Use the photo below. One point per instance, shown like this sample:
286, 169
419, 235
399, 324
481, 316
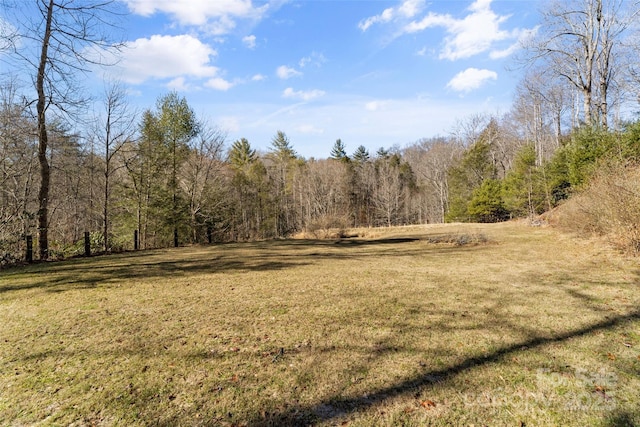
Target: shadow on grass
334, 408
89, 273
376, 242
281, 255
624, 419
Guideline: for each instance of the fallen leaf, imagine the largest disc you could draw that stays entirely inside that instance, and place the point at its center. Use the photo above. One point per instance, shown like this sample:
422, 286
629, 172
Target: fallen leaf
601, 391
611, 356
234, 378
428, 404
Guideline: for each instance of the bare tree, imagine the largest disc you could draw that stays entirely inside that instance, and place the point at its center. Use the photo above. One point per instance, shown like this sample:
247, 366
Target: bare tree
466, 131
57, 41
540, 111
18, 175
578, 41
431, 159
114, 127
200, 176
322, 187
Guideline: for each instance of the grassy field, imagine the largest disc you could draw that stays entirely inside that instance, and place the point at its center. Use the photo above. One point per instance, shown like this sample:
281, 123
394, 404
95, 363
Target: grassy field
436, 325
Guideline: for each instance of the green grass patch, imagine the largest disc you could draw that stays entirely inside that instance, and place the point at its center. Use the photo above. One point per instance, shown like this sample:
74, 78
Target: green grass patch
436, 325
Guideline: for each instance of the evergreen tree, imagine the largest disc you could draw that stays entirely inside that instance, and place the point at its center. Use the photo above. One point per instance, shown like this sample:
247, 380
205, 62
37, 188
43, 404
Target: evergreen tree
178, 126
474, 168
338, 152
587, 146
281, 147
487, 204
361, 155
164, 146
241, 154
283, 157
382, 153
525, 190
250, 189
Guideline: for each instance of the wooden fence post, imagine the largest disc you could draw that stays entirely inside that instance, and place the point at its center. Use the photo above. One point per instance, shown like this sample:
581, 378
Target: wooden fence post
87, 244
29, 255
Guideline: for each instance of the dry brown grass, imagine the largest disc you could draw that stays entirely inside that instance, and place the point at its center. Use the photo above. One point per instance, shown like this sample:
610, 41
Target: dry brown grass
609, 207
441, 325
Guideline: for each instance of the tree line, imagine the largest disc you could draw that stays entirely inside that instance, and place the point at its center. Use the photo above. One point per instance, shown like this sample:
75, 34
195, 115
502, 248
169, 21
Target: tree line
174, 178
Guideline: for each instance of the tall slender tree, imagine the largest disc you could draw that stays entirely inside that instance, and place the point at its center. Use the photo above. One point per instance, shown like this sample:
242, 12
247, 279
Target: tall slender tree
173, 125
282, 156
201, 180
55, 46
116, 126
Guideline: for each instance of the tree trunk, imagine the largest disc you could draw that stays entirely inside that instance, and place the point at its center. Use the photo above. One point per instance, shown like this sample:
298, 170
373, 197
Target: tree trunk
106, 205
43, 193
107, 174
586, 93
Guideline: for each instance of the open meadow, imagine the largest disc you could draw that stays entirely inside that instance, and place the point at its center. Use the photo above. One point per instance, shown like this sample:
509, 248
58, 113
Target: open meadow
501, 324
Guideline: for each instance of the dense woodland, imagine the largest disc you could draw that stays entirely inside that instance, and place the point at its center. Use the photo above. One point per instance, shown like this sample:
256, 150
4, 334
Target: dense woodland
174, 177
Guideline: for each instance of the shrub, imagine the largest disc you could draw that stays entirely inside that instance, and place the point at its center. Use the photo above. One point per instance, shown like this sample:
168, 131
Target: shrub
487, 204
608, 206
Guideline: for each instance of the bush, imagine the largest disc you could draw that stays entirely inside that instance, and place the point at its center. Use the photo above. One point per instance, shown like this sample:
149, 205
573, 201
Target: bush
327, 226
608, 206
487, 204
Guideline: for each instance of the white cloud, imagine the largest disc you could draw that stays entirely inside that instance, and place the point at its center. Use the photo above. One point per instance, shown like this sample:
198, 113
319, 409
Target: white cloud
410, 8
422, 52
8, 34
218, 13
179, 84
219, 83
385, 16
285, 72
302, 95
470, 79
522, 35
309, 129
407, 10
374, 105
166, 57
503, 53
258, 78
249, 41
316, 59
475, 33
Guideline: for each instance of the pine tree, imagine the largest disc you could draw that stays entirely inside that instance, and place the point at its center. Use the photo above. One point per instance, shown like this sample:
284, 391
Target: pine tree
473, 169
361, 155
241, 154
283, 158
487, 204
338, 152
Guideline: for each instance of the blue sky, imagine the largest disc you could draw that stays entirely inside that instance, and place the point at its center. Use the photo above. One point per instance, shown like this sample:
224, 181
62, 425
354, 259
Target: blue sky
371, 72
